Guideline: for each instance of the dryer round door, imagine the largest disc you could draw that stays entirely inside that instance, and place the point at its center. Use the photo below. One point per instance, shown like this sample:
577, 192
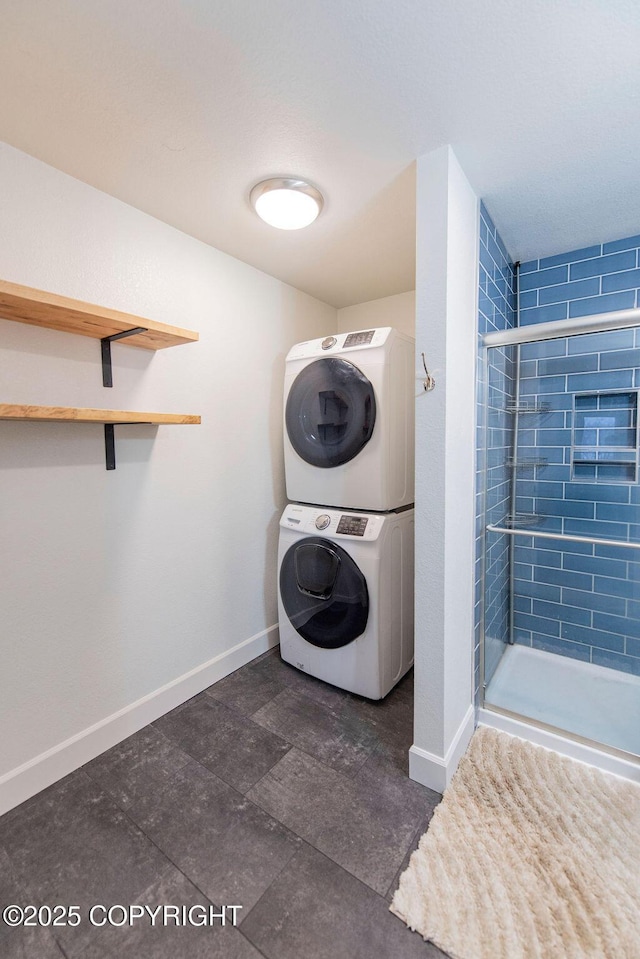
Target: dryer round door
324, 593
330, 412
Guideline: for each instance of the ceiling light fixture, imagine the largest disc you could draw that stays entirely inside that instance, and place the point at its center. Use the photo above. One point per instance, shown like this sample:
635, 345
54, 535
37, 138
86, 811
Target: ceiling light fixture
286, 202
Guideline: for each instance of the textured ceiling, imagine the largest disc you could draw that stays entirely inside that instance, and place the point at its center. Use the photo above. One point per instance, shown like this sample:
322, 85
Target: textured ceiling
179, 106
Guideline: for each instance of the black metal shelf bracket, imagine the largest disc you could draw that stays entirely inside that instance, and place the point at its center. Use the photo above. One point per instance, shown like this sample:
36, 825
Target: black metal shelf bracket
110, 441
109, 446
105, 346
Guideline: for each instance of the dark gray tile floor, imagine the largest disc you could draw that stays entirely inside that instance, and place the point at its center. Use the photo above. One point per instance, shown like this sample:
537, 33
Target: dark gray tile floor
270, 790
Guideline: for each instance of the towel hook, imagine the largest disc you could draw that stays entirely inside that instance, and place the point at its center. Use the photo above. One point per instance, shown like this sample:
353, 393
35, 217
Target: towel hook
429, 382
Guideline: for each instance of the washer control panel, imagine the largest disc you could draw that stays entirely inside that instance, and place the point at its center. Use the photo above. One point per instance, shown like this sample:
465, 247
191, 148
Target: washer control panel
352, 525
314, 521
328, 342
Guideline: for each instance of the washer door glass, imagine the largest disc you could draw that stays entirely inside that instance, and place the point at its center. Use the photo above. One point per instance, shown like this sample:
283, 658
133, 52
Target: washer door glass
330, 412
324, 593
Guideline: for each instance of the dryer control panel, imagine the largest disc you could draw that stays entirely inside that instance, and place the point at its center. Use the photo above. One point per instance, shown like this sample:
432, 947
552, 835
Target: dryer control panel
340, 342
319, 521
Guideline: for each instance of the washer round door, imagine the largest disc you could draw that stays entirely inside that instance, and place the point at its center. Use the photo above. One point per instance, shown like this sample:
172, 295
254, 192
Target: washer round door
324, 593
330, 412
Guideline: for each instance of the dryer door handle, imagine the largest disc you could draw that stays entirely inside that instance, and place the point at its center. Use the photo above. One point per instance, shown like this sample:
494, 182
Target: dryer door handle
317, 567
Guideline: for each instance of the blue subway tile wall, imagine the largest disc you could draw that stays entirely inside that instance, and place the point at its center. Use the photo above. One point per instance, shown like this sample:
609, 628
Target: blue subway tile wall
597, 279
496, 392
583, 445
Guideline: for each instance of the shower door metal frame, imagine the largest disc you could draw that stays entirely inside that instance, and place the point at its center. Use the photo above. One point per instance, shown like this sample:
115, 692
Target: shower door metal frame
484, 431
558, 329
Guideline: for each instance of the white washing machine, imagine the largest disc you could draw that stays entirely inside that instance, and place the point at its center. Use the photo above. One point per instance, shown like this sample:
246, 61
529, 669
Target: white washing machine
349, 420
345, 597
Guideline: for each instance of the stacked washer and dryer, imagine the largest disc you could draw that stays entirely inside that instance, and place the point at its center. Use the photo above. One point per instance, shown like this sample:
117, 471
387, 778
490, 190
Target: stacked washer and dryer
345, 557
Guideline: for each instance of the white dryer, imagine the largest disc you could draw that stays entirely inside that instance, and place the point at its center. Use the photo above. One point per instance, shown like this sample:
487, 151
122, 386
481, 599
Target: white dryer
345, 597
349, 420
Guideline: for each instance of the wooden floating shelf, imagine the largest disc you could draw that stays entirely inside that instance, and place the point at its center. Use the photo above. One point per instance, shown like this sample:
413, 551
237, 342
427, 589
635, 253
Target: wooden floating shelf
38, 308
74, 414
110, 419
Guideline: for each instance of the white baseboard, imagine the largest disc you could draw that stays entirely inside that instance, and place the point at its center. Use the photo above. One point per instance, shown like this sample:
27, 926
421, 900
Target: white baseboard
436, 771
47, 768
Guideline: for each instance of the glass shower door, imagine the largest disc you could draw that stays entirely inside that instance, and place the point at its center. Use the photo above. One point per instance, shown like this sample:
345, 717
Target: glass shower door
562, 557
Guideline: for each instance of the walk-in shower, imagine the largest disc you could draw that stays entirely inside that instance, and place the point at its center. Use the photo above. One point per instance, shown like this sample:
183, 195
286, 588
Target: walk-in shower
560, 646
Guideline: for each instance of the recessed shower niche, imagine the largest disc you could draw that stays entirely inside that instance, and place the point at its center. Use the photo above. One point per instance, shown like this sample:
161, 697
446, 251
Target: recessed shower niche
605, 437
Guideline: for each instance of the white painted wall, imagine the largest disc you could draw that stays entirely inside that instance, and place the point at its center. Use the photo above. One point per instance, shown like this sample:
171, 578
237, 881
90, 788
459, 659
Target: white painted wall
446, 324
398, 311
115, 584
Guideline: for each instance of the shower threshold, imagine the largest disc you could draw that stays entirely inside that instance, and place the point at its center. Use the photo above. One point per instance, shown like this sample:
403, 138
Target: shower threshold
593, 702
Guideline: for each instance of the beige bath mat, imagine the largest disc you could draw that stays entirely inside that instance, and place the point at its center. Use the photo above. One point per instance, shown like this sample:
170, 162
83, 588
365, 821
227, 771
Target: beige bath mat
528, 856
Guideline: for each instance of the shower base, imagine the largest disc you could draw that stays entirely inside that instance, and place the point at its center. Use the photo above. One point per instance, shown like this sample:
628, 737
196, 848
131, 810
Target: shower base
596, 704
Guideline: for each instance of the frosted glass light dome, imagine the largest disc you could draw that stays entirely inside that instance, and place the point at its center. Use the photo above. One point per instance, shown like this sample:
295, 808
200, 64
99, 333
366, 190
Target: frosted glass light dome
286, 203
